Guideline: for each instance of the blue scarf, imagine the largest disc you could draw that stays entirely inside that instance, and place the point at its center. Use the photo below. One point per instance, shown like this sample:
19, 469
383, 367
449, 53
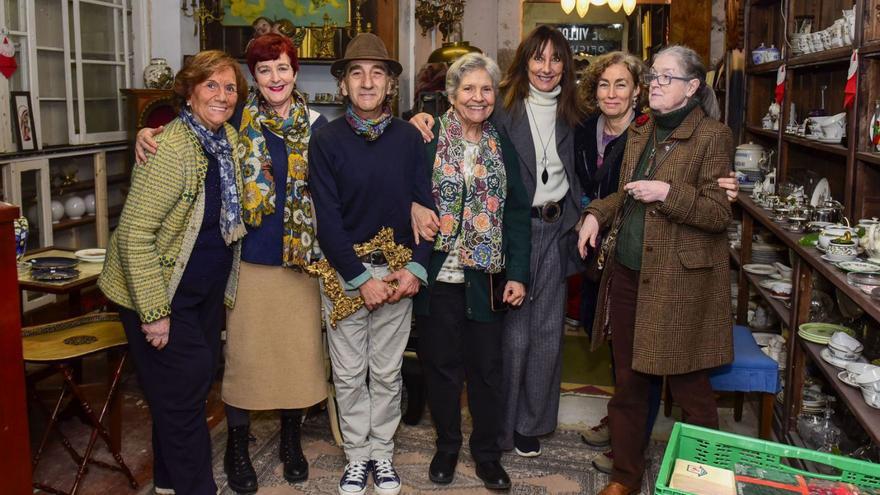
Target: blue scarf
368, 128
215, 143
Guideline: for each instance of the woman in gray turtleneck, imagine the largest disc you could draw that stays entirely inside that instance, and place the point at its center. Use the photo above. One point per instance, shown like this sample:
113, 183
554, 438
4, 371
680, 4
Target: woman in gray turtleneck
539, 111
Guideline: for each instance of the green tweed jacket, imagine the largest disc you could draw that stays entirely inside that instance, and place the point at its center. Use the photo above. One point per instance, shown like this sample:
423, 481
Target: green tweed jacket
150, 248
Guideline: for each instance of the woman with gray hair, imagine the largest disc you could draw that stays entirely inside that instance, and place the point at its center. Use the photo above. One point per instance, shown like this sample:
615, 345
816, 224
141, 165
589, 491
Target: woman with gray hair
482, 246
664, 295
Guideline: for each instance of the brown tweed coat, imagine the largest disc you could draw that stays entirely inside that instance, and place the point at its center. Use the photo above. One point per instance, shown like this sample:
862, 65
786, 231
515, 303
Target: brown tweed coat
683, 319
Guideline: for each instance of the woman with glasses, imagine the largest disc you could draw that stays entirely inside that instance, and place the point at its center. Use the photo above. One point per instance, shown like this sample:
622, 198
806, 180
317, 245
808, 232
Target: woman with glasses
613, 94
664, 297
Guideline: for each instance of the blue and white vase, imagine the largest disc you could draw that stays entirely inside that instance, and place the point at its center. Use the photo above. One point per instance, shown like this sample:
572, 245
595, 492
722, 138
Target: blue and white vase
21, 236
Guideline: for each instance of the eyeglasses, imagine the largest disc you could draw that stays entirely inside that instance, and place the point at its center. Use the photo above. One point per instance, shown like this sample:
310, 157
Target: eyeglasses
662, 79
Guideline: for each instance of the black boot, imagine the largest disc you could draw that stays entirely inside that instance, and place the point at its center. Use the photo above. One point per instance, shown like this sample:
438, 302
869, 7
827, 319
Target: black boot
296, 468
237, 462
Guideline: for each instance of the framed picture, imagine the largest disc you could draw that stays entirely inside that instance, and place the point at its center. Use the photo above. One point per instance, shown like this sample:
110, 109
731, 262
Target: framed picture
299, 12
23, 120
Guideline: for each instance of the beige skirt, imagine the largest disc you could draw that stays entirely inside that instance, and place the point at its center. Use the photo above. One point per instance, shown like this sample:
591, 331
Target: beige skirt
274, 350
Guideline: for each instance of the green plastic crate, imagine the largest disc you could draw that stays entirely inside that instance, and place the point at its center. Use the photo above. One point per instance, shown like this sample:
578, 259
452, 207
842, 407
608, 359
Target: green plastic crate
724, 450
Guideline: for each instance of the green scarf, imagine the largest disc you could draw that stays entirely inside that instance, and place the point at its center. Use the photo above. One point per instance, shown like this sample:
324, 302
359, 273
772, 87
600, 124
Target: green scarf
299, 244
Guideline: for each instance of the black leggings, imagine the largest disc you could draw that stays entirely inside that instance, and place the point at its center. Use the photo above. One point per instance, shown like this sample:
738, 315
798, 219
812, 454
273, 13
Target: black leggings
236, 416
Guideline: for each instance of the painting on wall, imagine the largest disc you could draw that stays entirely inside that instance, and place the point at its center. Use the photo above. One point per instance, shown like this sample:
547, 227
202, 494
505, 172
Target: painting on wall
299, 12
22, 120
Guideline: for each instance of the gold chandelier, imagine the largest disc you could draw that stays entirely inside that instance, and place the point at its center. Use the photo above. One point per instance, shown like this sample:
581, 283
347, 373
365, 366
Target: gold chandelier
583, 6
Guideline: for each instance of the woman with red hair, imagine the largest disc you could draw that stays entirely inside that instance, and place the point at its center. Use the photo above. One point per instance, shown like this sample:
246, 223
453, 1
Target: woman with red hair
273, 361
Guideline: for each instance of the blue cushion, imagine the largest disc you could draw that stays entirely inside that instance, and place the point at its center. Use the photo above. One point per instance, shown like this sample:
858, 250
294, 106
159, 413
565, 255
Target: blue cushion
751, 370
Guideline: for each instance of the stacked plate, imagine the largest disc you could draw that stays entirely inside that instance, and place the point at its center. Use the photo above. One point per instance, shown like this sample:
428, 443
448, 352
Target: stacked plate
820, 333
766, 253
843, 349
93, 255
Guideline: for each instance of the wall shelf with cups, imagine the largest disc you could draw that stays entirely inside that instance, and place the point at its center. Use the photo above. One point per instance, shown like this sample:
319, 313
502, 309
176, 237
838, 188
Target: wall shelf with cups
809, 271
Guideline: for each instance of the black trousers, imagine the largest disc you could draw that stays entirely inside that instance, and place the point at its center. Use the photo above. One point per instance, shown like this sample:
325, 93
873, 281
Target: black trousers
452, 350
176, 381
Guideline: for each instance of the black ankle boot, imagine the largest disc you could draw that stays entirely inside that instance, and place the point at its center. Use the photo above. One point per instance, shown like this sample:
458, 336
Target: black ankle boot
237, 462
296, 468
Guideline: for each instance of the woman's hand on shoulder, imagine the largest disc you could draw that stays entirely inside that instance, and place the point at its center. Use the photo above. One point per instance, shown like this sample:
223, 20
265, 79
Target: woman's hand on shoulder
587, 234
514, 293
424, 122
730, 186
145, 143
425, 223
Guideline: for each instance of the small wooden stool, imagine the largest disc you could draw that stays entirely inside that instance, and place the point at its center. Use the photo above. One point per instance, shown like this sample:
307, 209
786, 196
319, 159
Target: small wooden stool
58, 345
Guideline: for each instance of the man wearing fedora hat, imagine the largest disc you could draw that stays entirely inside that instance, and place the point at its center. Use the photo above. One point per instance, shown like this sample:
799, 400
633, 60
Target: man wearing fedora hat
365, 170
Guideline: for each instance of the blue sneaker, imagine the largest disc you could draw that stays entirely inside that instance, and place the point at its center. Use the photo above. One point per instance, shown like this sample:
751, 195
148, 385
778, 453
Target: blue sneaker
354, 478
385, 478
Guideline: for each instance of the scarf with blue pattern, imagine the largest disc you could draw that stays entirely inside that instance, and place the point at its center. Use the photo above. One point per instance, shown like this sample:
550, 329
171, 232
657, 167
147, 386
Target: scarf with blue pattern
217, 145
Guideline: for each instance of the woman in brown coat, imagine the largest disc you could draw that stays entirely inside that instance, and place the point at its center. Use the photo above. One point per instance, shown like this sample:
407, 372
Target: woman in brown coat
665, 290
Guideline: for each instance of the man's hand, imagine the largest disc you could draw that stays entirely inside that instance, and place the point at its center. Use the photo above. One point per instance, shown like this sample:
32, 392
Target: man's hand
145, 143
424, 122
730, 186
408, 284
425, 223
375, 293
157, 332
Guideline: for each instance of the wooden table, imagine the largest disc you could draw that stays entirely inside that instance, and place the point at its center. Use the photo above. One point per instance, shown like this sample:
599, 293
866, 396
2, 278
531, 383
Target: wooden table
88, 276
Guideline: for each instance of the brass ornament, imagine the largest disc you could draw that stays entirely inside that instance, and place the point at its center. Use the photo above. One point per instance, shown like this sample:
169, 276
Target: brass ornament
344, 306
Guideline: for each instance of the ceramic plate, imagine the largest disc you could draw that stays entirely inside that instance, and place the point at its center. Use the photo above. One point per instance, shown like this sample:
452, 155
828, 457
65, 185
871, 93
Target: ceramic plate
858, 266
829, 141
833, 361
821, 192
54, 274
837, 258
759, 269
820, 333
50, 262
846, 377
768, 282
91, 253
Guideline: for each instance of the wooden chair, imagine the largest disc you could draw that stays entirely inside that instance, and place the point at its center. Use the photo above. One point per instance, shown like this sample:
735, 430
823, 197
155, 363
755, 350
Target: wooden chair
61, 345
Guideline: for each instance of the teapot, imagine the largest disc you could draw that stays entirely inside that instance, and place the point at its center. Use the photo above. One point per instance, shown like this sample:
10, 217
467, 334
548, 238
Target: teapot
750, 156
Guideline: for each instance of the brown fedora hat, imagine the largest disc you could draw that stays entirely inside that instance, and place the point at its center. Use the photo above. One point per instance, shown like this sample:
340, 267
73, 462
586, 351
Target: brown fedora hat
365, 46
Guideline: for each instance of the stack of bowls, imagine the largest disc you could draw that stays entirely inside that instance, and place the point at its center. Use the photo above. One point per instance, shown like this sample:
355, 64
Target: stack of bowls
842, 350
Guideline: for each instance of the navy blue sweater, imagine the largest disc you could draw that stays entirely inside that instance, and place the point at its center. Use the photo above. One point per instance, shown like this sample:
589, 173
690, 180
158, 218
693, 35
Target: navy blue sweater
360, 186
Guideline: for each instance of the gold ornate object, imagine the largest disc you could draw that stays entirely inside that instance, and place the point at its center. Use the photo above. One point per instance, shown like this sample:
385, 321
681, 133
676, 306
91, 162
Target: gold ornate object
202, 15
343, 306
324, 37
357, 27
442, 14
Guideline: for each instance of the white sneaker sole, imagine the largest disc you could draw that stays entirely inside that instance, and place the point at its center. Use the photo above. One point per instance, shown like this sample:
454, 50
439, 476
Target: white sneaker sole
387, 491
527, 454
344, 492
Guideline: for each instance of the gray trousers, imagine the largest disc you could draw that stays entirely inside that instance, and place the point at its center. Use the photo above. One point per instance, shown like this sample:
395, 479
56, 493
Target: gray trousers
532, 342
369, 341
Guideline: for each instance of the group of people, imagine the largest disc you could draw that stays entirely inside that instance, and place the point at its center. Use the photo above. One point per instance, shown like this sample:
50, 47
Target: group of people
499, 199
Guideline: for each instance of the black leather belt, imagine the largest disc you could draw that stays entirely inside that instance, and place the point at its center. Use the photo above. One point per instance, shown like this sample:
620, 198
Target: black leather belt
376, 258
549, 212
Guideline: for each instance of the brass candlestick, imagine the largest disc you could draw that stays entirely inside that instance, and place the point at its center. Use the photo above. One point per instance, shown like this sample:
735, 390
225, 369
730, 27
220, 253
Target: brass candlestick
202, 14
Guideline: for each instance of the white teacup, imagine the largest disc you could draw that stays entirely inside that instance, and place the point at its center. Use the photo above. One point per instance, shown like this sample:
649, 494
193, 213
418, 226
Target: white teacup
846, 342
856, 369
843, 354
869, 379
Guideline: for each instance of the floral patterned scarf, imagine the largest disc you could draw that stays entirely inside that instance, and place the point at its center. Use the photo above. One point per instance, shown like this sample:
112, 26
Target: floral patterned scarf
217, 145
299, 245
471, 209
368, 128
